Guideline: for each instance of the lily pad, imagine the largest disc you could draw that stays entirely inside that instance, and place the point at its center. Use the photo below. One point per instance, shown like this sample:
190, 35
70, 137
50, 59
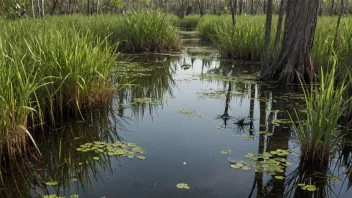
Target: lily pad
279, 177
51, 183
183, 186
141, 157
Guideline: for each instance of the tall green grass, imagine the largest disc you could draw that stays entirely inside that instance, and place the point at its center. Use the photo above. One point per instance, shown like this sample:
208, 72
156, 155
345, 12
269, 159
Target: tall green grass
318, 131
48, 72
246, 41
148, 32
190, 22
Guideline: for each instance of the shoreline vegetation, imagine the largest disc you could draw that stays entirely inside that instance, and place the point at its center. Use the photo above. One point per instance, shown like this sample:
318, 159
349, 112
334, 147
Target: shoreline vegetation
61, 66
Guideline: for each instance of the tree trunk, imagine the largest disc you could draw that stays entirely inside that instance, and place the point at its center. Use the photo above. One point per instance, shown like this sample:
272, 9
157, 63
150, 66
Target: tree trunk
54, 7
33, 9
266, 54
294, 62
332, 7
233, 6
338, 23
88, 7
252, 7
279, 27
240, 6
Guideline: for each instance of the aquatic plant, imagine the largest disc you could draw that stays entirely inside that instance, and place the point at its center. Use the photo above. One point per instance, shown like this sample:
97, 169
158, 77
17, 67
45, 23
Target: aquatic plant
318, 130
146, 32
245, 41
190, 22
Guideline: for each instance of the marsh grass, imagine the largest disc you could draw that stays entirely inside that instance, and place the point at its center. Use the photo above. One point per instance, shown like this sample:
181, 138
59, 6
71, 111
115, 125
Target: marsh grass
318, 132
190, 22
147, 32
246, 41
48, 72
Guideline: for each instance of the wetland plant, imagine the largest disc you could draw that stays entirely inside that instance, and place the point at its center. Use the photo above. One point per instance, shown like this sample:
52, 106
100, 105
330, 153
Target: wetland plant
147, 32
190, 22
318, 131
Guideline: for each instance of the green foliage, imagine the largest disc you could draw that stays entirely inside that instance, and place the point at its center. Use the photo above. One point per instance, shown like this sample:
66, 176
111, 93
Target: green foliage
190, 22
144, 31
318, 131
246, 40
48, 71
13, 9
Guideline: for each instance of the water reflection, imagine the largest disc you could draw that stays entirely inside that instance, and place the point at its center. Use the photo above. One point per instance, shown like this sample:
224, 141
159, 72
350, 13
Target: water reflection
75, 172
180, 148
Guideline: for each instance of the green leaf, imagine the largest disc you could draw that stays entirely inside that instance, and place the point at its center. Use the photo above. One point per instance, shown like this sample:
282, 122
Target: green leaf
141, 157
51, 183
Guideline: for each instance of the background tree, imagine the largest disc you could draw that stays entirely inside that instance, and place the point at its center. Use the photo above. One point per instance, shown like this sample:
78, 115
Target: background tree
294, 61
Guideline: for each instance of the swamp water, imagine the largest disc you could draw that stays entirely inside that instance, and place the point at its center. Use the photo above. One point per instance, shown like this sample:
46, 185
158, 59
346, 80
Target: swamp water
182, 125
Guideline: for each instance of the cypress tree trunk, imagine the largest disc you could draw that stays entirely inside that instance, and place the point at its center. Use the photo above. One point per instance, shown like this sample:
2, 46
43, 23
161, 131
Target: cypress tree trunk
294, 61
266, 54
338, 23
279, 27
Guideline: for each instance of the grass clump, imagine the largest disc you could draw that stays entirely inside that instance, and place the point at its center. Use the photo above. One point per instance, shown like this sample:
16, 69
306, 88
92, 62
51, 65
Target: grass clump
318, 132
48, 72
147, 32
245, 41
190, 22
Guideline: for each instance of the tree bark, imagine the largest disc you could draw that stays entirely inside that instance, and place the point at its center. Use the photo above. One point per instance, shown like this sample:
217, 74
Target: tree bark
252, 7
240, 6
266, 54
233, 11
294, 62
332, 7
338, 23
279, 27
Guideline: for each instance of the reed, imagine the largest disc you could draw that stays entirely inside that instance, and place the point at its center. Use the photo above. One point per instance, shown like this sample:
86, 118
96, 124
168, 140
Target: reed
318, 131
147, 32
245, 41
190, 22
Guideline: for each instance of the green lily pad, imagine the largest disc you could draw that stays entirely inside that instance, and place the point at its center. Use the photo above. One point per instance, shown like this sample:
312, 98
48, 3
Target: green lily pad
279, 177
183, 186
52, 183
141, 157
96, 158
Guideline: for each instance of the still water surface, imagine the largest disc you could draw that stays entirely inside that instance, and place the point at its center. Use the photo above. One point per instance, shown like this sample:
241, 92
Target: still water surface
180, 148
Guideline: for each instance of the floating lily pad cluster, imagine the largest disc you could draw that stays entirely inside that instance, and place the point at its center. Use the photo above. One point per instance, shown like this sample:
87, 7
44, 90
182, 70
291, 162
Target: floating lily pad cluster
308, 187
131, 70
183, 186
146, 100
226, 152
190, 113
268, 162
249, 137
266, 133
217, 94
118, 148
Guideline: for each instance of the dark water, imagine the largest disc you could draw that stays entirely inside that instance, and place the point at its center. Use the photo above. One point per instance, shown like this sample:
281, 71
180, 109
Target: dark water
179, 148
